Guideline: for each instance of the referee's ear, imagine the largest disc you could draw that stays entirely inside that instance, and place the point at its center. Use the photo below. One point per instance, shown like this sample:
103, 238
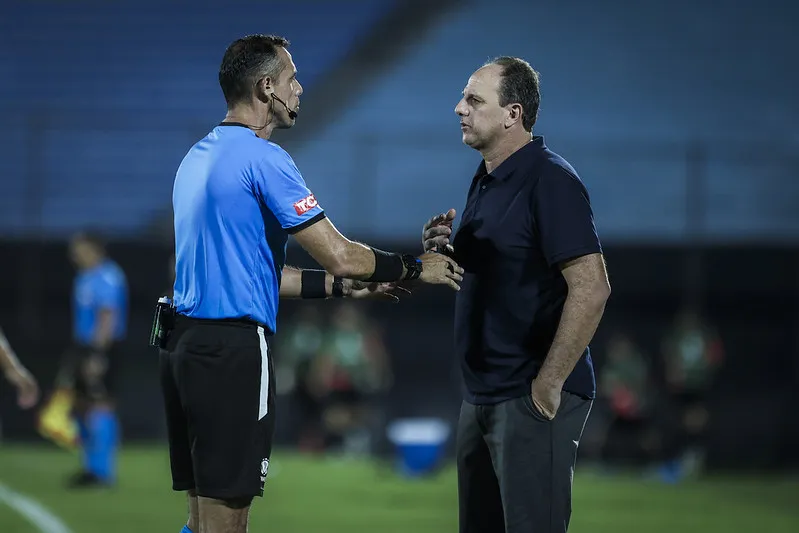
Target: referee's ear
263, 89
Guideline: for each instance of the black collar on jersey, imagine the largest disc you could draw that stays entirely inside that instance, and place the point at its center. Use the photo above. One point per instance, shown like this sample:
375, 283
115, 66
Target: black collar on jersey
234, 124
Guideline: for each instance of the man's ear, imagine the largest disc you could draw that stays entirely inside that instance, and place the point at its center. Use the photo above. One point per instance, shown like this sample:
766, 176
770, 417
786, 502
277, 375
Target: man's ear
514, 115
263, 89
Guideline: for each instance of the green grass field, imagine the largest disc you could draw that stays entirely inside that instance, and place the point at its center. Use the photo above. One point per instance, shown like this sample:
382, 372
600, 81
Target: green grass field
316, 495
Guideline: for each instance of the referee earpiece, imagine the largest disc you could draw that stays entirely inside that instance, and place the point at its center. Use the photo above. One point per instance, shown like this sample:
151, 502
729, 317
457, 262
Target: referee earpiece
263, 91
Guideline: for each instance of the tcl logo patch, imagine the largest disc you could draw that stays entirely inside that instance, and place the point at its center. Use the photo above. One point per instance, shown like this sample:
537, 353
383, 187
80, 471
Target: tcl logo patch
305, 205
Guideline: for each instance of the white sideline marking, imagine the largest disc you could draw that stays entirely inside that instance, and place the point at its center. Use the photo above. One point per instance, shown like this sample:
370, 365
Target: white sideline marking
33, 511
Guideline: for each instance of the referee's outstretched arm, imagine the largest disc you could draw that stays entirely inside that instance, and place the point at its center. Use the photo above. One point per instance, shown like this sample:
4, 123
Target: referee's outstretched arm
344, 258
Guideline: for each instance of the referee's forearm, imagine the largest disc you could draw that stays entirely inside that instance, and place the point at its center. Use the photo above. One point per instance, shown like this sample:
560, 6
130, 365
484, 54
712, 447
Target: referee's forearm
291, 283
582, 312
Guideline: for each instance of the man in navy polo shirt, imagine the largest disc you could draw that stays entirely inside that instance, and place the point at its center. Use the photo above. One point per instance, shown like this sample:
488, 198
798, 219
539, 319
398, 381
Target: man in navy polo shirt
237, 196
532, 296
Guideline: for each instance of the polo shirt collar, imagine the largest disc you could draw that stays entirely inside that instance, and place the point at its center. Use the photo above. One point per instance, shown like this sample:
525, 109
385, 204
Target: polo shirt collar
527, 152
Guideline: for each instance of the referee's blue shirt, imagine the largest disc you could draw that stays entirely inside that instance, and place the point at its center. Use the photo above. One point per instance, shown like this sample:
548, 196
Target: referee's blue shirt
236, 199
103, 287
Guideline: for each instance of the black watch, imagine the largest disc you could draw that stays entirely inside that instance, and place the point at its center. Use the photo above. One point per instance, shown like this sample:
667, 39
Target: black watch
413, 267
338, 287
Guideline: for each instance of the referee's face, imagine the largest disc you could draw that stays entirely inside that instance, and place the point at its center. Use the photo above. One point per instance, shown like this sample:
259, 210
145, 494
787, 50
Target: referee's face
481, 116
288, 89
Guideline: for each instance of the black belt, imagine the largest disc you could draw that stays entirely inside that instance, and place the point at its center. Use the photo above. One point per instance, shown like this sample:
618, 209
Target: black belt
246, 322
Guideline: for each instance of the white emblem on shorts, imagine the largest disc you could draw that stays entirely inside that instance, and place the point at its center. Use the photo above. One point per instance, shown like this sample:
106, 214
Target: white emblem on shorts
264, 469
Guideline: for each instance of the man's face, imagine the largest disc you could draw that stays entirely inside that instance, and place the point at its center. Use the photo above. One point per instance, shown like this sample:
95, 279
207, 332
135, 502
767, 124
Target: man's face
81, 252
482, 118
288, 89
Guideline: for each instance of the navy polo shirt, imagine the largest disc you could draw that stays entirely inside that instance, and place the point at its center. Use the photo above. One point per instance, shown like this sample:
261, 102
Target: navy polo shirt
236, 198
520, 222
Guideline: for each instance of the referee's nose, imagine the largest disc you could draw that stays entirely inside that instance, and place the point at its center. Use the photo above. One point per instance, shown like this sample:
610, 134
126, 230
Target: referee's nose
299, 88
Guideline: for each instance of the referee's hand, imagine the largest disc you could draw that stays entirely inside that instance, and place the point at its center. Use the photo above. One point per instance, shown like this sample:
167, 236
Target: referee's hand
438, 269
436, 233
360, 290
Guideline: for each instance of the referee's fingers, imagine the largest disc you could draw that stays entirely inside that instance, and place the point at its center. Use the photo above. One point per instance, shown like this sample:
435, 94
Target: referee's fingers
402, 289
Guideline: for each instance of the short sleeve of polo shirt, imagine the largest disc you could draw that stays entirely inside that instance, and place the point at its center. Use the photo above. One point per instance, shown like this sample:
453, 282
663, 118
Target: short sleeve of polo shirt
282, 189
563, 217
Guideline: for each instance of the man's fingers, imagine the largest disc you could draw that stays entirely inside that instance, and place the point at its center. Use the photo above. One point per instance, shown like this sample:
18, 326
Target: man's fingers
454, 267
450, 215
454, 275
437, 231
454, 285
432, 245
435, 220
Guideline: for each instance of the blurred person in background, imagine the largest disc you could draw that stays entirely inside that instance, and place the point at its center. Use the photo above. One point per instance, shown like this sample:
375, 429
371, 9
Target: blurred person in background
237, 197
629, 391
532, 297
88, 376
353, 369
692, 353
300, 347
17, 375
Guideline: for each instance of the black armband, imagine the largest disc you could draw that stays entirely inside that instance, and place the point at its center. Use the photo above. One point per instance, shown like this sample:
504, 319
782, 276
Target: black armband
313, 284
388, 267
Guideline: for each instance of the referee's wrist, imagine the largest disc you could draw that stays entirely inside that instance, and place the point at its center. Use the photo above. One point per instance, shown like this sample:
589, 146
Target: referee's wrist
329, 285
337, 287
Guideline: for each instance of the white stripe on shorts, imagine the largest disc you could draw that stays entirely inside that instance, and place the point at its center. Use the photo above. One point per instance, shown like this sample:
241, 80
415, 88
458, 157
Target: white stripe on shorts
263, 407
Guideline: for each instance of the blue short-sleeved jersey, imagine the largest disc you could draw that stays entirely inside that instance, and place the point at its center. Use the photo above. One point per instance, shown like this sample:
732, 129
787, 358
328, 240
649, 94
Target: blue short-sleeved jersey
96, 289
236, 198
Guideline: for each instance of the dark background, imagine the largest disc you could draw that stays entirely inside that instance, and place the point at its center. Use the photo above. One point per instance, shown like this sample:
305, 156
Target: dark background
749, 293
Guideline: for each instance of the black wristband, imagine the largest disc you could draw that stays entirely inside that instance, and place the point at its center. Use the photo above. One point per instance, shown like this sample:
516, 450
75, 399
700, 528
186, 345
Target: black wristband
388, 267
338, 287
313, 284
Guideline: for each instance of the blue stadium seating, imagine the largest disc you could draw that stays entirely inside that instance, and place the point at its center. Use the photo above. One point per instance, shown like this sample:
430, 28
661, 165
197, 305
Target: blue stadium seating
626, 88
111, 94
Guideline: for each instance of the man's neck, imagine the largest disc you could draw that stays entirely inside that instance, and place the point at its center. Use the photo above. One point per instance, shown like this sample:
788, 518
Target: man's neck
94, 263
496, 155
258, 120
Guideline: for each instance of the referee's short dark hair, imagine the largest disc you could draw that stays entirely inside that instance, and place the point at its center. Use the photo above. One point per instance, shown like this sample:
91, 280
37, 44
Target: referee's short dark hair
519, 85
246, 61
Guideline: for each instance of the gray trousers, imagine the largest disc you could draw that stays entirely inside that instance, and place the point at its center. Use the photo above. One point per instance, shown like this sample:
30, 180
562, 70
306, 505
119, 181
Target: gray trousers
515, 467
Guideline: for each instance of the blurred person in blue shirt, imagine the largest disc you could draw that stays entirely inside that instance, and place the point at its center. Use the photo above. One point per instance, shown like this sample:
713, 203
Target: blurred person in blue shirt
100, 316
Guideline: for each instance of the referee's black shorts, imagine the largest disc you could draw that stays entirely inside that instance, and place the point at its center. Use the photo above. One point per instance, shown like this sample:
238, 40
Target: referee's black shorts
218, 384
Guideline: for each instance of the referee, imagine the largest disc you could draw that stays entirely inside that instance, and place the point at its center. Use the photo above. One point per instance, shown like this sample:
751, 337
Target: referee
533, 293
237, 196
